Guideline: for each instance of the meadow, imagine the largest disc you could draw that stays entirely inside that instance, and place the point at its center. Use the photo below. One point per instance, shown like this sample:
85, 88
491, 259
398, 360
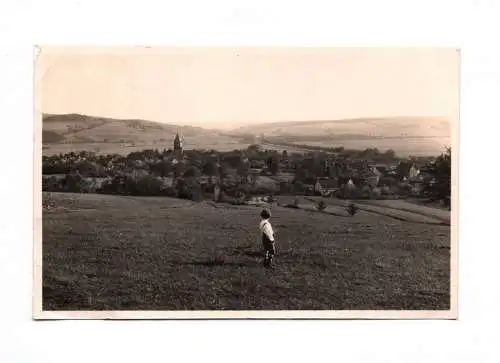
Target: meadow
103, 252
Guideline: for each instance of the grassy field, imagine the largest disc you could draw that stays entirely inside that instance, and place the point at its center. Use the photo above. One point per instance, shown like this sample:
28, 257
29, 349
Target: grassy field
129, 253
396, 209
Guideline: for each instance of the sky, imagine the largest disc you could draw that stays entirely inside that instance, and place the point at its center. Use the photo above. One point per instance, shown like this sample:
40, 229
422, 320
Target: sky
231, 87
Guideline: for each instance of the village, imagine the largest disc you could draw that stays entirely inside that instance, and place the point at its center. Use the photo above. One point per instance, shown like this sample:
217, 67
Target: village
244, 175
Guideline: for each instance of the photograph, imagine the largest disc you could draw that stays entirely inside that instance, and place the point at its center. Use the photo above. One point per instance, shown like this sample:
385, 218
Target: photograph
246, 182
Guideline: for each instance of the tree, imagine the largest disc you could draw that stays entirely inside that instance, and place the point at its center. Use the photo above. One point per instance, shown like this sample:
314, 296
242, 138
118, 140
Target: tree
439, 186
89, 168
370, 153
183, 189
192, 172
163, 168
194, 158
210, 169
298, 187
243, 171
233, 159
254, 148
315, 166
223, 171
253, 179
301, 173
75, 183
403, 168
51, 184
179, 169
273, 164
390, 154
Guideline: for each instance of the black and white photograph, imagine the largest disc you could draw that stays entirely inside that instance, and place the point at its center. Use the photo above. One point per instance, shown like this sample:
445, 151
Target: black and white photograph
246, 182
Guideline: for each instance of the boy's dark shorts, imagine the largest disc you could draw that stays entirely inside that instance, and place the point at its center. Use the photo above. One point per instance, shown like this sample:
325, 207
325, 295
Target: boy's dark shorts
269, 247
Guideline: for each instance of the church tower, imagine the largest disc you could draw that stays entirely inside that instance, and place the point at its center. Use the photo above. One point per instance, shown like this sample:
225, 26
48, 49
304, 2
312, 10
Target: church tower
178, 145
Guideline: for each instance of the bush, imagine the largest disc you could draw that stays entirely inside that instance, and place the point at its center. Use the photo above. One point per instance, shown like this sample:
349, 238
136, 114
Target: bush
188, 189
352, 209
137, 186
298, 187
169, 192
222, 197
75, 183
192, 172
71, 183
51, 184
321, 205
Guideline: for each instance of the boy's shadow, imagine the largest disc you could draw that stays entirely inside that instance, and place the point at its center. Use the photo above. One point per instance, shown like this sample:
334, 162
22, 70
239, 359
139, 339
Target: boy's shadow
246, 251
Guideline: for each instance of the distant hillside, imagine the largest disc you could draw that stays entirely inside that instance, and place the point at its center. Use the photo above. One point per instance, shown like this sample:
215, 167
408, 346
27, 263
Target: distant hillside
69, 132
405, 135
51, 137
362, 127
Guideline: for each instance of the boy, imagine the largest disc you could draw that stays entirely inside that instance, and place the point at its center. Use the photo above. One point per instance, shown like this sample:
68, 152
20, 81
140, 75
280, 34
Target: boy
267, 237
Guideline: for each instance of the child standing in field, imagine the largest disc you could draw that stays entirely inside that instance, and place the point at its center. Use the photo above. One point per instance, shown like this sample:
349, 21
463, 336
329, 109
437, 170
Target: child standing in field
267, 238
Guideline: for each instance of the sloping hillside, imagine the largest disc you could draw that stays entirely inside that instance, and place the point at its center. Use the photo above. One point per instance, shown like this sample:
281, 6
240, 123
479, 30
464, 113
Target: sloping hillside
417, 136
128, 253
363, 127
69, 132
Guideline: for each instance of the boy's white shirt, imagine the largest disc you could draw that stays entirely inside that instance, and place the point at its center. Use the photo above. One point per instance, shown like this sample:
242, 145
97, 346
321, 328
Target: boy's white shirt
265, 227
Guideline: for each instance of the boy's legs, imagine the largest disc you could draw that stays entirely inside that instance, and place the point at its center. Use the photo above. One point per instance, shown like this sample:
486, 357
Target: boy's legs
269, 254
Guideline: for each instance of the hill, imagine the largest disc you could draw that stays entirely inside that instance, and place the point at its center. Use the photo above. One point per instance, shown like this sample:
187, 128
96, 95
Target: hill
128, 253
406, 135
72, 132
418, 136
360, 127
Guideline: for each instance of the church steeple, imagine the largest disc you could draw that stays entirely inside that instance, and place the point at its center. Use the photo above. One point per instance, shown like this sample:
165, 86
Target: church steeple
177, 144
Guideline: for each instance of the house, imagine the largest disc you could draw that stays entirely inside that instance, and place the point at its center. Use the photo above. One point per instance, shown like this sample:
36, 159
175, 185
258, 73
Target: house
383, 169
216, 193
256, 171
375, 171
350, 185
323, 184
413, 172
317, 187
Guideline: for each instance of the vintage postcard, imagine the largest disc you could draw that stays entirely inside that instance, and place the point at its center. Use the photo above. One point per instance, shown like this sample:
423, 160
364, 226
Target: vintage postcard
246, 183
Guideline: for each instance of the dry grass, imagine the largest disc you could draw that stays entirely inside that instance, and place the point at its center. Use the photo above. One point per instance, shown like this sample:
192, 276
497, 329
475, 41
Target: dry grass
408, 206
126, 253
